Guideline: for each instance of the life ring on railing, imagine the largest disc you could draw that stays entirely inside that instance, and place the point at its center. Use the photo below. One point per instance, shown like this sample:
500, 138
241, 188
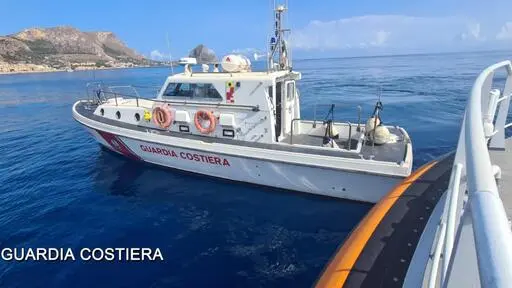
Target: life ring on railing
202, 116
162, 116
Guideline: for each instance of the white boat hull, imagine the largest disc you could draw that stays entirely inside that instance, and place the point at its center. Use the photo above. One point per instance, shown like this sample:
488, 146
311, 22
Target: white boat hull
353, 185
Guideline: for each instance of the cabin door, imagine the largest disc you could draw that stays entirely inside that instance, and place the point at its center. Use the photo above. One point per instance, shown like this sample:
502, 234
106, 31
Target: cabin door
288, 103
278, 109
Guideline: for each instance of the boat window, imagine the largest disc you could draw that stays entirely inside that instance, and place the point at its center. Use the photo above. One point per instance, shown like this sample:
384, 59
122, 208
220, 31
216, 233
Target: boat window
290, 87
192, 90
270, 94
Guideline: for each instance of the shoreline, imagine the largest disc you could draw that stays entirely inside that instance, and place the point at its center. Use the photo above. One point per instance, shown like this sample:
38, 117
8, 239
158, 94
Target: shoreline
78, 70
30, 72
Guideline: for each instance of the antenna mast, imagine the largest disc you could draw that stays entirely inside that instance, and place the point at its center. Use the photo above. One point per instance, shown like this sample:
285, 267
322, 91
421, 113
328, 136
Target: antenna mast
278, 58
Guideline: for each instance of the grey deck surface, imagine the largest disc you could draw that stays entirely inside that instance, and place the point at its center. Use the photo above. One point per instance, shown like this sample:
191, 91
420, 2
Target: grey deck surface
504, 160
391, 152
312, 140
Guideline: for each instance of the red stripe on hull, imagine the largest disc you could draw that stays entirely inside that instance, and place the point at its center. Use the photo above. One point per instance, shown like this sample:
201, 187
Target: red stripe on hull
118, 145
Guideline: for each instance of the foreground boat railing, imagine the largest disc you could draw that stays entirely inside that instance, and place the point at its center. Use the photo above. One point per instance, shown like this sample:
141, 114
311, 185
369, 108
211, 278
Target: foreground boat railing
473, 197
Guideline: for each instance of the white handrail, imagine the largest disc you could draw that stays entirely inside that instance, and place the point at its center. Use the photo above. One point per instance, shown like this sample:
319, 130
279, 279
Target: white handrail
493, 238
478, 166
491, 229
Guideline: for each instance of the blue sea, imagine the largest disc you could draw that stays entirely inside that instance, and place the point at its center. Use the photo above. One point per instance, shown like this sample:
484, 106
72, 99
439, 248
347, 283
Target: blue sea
58, 188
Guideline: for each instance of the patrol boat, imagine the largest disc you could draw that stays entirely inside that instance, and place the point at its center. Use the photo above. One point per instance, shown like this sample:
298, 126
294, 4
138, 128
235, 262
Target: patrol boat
242, 125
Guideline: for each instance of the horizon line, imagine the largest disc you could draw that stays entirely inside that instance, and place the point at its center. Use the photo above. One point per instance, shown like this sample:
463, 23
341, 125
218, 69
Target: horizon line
406, 54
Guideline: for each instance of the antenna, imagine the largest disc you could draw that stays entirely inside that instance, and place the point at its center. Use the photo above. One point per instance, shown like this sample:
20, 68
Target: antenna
269, 39
278, 45
376, 117
169, 48
288, 41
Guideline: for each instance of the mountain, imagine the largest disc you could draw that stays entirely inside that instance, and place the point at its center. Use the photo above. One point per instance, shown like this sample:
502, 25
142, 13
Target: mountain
65, 46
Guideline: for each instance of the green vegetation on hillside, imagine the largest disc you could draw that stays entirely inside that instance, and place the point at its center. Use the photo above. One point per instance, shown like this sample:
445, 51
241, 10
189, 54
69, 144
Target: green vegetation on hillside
111, 52
41, 47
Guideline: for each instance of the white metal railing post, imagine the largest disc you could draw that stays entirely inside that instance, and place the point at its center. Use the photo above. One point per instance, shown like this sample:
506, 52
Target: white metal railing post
450, 219
488, 117
432, 281
498, 140
485, 92
494, 96
446, 228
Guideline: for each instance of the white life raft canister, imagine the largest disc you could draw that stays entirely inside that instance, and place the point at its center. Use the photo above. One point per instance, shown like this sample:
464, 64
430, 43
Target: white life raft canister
236, 63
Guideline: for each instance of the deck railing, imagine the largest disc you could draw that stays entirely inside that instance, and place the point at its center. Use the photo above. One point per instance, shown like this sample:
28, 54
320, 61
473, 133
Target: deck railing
99, 93
473, 187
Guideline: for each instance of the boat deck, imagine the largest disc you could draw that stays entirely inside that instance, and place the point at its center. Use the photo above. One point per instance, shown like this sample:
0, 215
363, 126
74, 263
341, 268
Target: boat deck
390, 152
503, 158
379, 250
313, 140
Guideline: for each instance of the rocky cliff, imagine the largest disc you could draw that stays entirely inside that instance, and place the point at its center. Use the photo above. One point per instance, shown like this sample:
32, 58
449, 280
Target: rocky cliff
64, 47
203, 54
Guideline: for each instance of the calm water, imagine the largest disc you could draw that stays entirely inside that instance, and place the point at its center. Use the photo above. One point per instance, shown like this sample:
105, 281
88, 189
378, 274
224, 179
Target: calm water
58, 188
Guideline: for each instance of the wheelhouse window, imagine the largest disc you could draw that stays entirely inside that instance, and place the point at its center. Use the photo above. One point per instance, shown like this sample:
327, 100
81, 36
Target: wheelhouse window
290, 89
270, 93
204, 91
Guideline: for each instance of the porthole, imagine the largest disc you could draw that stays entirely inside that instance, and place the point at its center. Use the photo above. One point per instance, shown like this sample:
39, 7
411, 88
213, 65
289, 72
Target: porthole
137, 117
102, 112
118, 115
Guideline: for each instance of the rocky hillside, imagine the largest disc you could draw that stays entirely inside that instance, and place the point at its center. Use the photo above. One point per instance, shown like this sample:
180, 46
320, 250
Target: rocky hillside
203, 54
63, 47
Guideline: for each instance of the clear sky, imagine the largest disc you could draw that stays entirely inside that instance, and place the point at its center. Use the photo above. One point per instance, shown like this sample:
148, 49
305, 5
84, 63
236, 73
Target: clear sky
320, 28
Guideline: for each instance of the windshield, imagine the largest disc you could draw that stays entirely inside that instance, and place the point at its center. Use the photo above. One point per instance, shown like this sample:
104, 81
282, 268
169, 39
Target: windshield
192, 90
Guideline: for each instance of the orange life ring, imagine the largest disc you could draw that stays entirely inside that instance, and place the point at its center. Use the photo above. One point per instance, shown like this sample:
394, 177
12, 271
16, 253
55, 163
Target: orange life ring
202, 115
162, 116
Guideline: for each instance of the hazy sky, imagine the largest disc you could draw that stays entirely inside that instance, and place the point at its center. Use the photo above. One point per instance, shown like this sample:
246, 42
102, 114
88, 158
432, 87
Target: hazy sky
320, 28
